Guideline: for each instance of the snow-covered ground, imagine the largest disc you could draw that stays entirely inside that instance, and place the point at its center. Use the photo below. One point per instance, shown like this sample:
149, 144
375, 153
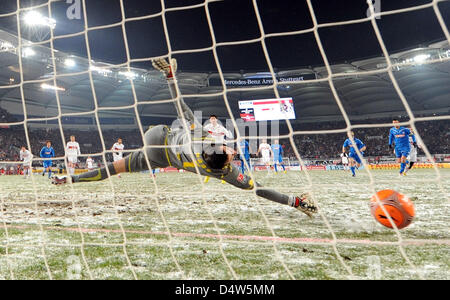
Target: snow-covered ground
177, 227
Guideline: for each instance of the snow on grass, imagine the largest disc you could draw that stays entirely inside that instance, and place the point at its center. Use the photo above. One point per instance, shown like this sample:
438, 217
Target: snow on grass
126, 230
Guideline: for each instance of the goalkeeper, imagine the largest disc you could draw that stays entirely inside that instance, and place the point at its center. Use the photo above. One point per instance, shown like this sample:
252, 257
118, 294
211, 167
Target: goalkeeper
190, 149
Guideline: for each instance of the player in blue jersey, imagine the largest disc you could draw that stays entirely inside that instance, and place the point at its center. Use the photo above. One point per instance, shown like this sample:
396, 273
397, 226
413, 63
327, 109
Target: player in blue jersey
277, 152
354, 160
245, 150
399, 136
47, 152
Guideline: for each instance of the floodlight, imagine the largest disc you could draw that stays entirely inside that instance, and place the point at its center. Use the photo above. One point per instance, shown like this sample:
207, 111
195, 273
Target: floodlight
45, 86
70, 63
34, 18
129, 75
421, 58
6, 46
27, 52
100, 70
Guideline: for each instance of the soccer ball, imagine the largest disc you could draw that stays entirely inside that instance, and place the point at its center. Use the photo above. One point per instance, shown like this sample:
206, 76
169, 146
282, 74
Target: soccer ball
399, 207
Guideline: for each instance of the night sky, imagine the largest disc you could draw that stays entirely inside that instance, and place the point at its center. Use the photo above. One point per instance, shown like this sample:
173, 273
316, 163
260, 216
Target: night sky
235, 20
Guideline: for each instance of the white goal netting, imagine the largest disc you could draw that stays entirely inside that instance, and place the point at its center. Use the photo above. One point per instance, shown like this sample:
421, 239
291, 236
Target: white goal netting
176, 226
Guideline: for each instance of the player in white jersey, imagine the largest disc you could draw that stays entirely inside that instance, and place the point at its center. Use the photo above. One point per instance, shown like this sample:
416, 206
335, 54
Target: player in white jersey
90, 163
266, 154
72, 152
26, 157
344, 157
218, 133
412, 157
118, 151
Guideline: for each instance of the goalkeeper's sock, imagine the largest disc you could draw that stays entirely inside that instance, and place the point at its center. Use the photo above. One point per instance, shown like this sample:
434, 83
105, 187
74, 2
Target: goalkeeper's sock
276, 169
402, 167
96, 175
273, 196
353, 170
284, 169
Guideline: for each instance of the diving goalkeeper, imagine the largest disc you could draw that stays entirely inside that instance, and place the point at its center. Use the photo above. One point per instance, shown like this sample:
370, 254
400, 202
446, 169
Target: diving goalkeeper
190, 148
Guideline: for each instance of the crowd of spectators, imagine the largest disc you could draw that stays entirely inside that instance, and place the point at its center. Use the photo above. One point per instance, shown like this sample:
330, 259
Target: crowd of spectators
435, 135
11, 140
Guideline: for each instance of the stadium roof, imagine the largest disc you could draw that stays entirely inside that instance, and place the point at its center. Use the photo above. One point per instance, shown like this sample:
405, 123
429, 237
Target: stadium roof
426, 86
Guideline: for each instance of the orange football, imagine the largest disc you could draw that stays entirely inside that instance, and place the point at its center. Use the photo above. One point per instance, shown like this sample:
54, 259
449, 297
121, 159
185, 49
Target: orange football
398, 206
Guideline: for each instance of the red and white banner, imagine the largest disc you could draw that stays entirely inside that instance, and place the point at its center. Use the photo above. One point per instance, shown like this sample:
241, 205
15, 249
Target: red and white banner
168, 170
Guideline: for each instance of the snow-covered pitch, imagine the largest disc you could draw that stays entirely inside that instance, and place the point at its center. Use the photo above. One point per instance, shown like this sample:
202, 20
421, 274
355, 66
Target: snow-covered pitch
178, 228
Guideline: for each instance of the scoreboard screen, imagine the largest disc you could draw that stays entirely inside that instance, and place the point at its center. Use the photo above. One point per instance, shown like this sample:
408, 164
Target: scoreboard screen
267, 110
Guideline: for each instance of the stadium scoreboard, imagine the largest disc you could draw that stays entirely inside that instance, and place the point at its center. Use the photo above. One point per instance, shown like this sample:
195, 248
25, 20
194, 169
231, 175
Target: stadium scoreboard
267, 109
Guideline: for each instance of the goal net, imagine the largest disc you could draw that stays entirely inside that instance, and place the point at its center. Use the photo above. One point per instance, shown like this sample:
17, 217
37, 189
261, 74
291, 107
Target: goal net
66, 72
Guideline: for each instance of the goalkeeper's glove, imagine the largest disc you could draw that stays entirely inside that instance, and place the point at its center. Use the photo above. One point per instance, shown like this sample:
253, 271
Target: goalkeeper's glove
163, 66
304, 203
415, 145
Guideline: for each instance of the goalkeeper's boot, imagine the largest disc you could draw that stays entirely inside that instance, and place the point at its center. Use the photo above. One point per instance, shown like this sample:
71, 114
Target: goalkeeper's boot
56, 180
304, 203
206, 179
